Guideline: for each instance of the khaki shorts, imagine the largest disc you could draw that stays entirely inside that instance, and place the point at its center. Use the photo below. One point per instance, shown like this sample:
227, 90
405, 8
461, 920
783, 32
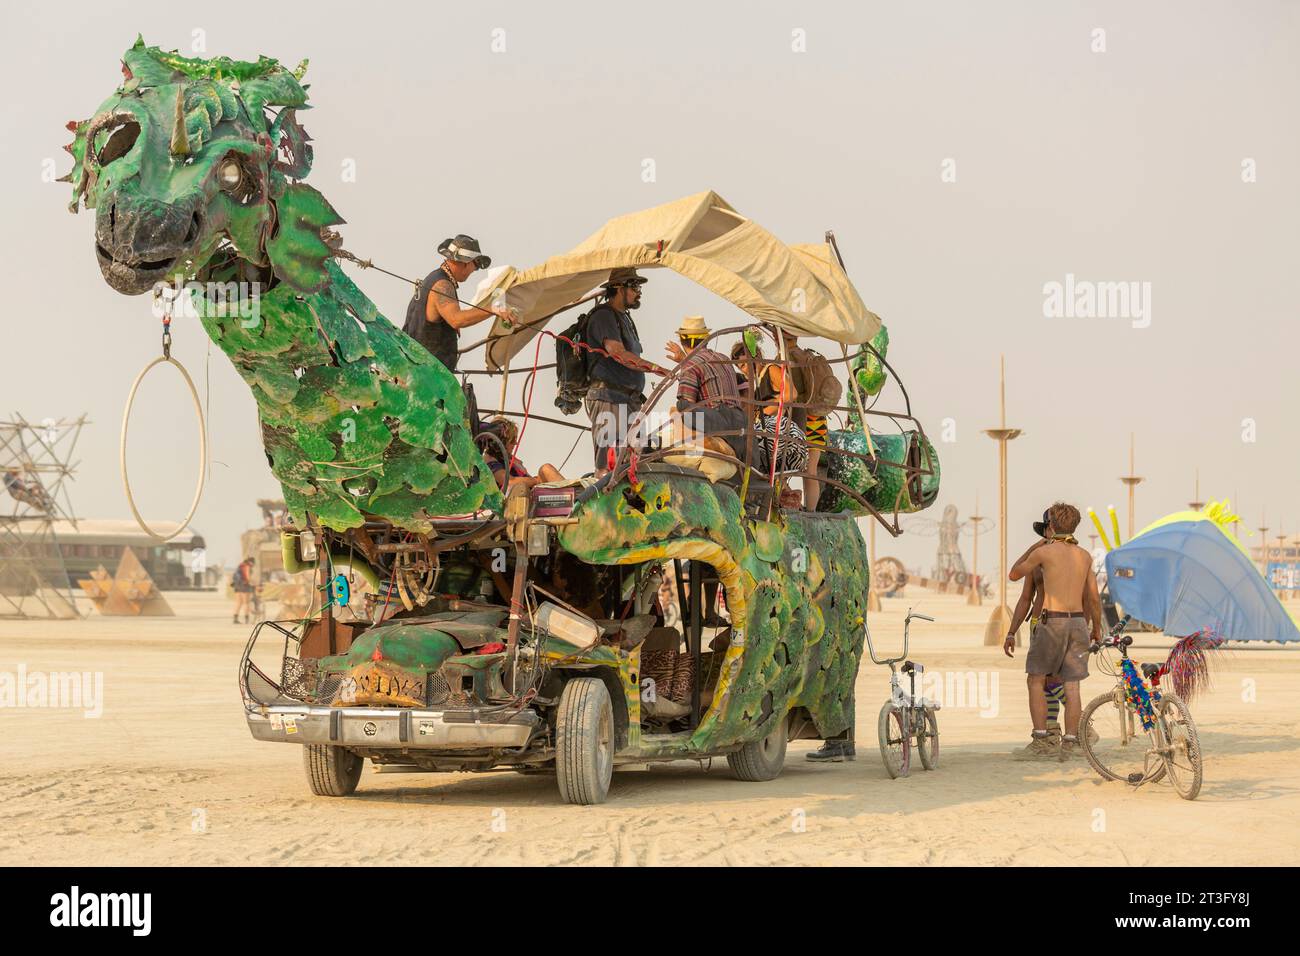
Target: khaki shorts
1059, 645
611, 423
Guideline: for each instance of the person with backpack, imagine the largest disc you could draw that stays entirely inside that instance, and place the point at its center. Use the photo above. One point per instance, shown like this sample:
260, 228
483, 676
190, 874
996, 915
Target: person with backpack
241, 582
617, 372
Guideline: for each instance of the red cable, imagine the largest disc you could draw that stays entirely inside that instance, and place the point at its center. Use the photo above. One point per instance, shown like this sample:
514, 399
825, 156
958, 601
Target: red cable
532, 384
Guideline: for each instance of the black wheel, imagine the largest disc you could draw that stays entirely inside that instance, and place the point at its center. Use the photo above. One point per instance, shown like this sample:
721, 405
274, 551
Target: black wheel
1113, 740
927, 738
761, 759
584, 741
331, 771
895, 744
1183, 762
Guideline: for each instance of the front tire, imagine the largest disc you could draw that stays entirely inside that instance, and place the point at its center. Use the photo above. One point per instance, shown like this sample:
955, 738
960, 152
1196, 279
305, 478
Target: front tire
331, 771
761, 759
584, 741
895, 746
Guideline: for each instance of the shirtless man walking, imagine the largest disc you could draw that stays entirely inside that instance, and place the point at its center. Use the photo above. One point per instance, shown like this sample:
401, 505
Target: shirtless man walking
1070, 619
1030, 608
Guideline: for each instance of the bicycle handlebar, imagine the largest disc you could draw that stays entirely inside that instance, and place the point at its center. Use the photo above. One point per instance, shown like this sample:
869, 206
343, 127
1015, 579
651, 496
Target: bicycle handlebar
907, 627
1124, 641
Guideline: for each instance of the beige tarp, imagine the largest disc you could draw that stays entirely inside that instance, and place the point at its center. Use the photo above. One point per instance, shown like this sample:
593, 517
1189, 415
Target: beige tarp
799, 288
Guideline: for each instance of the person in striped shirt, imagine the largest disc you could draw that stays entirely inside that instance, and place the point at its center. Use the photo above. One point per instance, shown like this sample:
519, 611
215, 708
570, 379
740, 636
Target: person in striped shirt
707, 390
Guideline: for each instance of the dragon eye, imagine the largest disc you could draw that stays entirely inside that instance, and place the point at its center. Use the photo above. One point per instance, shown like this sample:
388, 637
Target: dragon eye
230, 174
114, 142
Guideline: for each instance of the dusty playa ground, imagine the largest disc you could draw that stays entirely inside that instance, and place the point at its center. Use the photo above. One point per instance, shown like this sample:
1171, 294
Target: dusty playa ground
169, 774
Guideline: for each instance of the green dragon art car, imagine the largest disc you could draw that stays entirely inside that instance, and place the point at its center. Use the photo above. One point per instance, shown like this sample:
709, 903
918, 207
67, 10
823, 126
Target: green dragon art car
464, 629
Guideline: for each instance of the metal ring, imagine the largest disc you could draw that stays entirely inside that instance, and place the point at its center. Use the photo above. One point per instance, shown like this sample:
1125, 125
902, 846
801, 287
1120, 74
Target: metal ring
203, 448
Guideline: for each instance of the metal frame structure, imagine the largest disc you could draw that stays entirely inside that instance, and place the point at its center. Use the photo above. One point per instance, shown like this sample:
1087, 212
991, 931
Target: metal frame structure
37, 461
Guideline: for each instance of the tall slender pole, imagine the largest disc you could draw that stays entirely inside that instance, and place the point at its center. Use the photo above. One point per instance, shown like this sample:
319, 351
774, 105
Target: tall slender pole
1263, 544
1000, 621
1281, 558
1002, 520
1132, 479
1197, 504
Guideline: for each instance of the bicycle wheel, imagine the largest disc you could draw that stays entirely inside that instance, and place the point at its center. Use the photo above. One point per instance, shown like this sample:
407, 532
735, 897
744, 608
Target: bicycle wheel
895, 745
927, 737
1183, 757
1117, 753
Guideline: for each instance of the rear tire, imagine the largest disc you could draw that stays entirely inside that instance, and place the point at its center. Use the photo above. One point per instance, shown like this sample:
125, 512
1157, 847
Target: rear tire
895, 746
927, 739
1102, 728
331, 771
584, 741
761, 760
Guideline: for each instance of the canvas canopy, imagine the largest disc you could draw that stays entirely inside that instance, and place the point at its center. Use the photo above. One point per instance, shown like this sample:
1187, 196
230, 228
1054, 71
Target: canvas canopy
798, 288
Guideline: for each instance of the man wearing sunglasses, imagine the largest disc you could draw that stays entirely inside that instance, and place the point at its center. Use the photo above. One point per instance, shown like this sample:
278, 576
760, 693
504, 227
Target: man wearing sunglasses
435, 316
708, 392
614, 400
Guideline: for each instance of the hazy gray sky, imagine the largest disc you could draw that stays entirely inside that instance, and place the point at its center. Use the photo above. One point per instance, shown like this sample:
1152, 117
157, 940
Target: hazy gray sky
1117, 165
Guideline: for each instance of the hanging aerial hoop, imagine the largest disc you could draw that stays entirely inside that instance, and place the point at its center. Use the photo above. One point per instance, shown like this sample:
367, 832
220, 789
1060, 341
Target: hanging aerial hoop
165, 358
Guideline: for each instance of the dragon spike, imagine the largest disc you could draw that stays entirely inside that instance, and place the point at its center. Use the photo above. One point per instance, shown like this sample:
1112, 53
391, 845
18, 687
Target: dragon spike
180, 145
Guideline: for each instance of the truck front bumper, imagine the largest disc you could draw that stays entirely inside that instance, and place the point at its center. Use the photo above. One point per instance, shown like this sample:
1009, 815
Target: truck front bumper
390, 728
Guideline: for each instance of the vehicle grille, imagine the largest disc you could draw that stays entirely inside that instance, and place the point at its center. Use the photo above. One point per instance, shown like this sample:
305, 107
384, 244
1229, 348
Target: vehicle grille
298, 678
301, 679
328, 688
437, 690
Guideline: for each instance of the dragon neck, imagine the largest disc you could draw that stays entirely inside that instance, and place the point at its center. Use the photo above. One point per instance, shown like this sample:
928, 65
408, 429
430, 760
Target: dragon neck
357, 418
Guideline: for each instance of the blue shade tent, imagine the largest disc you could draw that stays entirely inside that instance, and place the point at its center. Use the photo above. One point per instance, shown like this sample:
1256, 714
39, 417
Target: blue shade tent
1185, 575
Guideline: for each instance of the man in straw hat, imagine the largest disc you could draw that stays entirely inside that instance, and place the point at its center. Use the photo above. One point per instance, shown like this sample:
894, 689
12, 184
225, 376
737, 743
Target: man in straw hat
708, 392
618, 376
435, 316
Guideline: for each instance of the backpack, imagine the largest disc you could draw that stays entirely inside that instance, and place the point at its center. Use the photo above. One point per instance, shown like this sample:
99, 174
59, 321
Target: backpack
817, 383
572, 367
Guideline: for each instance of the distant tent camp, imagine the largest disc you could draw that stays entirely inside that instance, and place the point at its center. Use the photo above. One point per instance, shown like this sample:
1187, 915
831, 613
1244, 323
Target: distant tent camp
1187, 572
800, 288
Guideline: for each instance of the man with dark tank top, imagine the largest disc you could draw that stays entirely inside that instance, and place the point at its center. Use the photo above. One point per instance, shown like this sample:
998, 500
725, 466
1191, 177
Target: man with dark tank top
435, 316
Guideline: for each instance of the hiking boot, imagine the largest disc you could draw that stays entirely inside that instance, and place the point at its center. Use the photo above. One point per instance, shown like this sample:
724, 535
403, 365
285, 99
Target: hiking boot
1054, 732
1040, 748
833, 751
1070, 749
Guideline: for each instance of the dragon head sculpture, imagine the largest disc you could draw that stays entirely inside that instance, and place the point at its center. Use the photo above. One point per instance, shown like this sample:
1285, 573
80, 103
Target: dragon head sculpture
194, 170
193, 164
